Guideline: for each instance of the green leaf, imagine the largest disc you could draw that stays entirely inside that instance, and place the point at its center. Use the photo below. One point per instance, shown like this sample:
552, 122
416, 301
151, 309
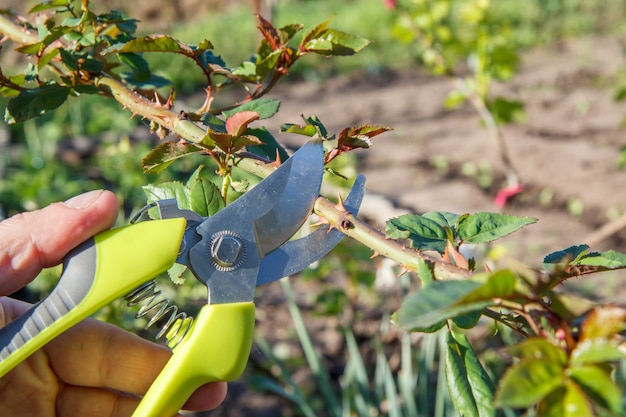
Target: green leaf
166, 153
47, 5
444, 300
455, 99
425, 272
428, 309
214, 123
487, 227
167, 190
566, 255
333, 42
206, 199
176, 272
470, 387
469, 320
270, 147
575, 403
597, 351
138, 65
423, 232
156, 43
527, 382
306, 130
500, 284
316, 31
68, 59
610, 259
35, 102
539, 348
507, 111
566, 401
597, 383
264, 107
86, 89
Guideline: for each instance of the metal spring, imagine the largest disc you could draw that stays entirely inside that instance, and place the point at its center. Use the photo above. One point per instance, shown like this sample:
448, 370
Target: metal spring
176, 323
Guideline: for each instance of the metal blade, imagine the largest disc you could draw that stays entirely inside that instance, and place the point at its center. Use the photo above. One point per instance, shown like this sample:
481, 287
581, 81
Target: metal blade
296, 255
233, 242
295, 203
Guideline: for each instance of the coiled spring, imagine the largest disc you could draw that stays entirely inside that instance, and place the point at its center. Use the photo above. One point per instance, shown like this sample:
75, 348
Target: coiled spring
158, 310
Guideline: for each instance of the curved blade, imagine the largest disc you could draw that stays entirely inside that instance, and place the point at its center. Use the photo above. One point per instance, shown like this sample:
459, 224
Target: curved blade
296, 255
295, 203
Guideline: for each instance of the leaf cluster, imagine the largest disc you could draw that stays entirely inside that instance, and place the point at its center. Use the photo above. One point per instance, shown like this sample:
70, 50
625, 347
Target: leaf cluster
570, 344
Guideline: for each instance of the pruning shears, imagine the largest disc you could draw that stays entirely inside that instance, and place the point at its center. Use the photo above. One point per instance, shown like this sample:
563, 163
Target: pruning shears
248, 243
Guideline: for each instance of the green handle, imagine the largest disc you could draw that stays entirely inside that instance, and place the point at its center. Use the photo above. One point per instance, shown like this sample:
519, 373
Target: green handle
215, 349
100, 270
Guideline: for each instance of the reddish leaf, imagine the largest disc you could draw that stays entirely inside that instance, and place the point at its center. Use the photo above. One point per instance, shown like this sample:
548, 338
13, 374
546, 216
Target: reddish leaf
604, 322
269, 32
237, 124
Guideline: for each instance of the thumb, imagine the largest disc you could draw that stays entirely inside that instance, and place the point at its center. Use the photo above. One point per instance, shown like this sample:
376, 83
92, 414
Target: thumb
34, 240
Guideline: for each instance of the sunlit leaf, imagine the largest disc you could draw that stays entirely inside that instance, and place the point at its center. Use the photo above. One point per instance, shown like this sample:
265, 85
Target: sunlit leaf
35, 102
528, 381
470, 387
306, 130
425, 272
156, 43
316, 31
47, 5
604, 322
597, 383
336, 43
168, 190
423, 232
287, 32
597, 350
176, 272
359, 137
486, 227
455, 99
237, 124
206, 199
539, 348
443, 300
166, 153
609, 259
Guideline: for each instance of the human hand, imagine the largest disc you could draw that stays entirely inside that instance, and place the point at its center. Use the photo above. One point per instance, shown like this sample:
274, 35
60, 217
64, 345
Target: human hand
94, 369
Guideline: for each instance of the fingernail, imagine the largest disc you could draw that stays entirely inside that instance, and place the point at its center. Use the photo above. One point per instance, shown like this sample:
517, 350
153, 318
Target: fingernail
84, 200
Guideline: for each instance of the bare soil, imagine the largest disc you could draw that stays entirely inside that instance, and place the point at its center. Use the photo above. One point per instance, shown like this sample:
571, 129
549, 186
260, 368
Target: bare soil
567, 148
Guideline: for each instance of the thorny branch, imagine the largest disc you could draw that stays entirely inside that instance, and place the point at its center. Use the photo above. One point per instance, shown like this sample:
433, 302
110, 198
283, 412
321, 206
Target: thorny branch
340, 219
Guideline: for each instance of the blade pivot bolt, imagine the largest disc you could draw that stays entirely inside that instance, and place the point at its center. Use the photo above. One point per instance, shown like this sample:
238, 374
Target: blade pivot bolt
227, 251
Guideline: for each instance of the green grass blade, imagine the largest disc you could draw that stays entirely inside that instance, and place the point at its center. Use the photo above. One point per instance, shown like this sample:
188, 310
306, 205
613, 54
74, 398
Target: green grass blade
313, 358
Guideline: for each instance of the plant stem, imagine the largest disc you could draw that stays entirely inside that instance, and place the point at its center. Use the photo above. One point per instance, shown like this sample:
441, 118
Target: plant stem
512, 177
345, 222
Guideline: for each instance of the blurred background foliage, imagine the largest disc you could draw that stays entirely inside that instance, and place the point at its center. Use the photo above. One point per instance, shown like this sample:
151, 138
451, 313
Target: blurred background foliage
93, 144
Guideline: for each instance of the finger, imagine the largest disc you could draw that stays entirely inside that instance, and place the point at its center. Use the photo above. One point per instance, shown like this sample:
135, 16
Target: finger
94, 402
113, 358
34, 240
